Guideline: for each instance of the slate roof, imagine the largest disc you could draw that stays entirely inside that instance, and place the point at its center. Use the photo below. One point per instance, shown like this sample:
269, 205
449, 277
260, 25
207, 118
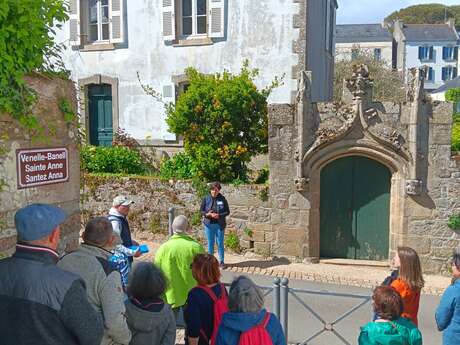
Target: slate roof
356, 33
429, 32
449, 85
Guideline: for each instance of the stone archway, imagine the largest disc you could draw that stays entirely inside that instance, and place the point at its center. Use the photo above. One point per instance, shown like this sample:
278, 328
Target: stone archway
397, 170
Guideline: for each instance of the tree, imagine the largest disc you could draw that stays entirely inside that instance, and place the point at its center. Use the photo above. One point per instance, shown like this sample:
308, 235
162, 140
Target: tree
26, 46
453, 95
426, 14
388, 83
223, 121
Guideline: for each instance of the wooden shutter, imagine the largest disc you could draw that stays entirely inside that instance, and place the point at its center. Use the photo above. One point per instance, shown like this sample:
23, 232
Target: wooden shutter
216, 18
444, 53
169, 96
454, 75
74, 20
168, 20
431, 74
116, 21
431, 49
456, 53
444, 71
420, 51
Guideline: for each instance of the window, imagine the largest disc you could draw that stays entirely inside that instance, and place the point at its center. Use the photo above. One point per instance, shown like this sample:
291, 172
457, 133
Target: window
429, 76
354, 54
192, 19
377, 54
425, 53
449, 72
450, 53
96, 21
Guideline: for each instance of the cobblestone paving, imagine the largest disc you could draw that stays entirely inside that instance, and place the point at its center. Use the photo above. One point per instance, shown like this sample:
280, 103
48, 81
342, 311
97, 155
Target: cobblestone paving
349, 275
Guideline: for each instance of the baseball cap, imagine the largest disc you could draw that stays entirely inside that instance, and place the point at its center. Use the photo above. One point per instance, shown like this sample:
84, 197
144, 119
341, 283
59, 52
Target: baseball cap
122, 200
36, 221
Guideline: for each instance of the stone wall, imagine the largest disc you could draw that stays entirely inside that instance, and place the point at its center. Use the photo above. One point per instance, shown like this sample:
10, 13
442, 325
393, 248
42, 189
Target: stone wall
153, 197
58, 133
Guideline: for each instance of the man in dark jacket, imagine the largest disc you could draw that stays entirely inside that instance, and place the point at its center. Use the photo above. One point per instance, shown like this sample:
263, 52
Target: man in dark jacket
214, 209
39, 302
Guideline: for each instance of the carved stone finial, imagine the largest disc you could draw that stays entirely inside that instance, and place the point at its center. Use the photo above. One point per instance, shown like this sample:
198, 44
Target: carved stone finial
413, 187
360, 85
301, 184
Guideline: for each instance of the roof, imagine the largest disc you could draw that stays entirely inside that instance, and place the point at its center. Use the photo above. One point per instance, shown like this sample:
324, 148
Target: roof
356, 33
429, 32
453, 83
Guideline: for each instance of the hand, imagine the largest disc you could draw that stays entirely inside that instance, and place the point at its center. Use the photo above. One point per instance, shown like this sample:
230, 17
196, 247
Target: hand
135, 243
137, 254
215, 215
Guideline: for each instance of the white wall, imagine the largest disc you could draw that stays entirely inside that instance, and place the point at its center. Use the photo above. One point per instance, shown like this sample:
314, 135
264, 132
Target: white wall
343, 50
260, 31
437, 64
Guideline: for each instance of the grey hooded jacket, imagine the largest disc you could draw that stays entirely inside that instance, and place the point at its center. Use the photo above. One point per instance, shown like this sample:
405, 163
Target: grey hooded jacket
151, 328
103, 286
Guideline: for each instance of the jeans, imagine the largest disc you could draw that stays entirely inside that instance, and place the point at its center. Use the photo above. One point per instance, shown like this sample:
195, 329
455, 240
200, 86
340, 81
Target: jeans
214, 233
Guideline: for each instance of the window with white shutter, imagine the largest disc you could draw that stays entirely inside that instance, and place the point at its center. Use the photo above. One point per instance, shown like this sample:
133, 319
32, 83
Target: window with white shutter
116, 21
217, 18
168, 20
74, 21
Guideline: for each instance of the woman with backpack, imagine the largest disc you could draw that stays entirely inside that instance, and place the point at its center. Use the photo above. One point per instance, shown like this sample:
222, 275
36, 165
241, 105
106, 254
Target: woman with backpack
408, 281
206, 303
448, 312
247, 322
389, 328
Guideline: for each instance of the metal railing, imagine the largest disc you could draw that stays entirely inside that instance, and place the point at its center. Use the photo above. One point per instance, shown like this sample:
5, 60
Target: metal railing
280, 307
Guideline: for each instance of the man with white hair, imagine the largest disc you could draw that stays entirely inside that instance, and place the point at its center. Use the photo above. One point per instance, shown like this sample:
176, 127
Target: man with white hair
174, 258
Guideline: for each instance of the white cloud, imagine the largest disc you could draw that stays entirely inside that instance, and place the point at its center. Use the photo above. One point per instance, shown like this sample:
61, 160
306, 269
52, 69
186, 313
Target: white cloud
374, 11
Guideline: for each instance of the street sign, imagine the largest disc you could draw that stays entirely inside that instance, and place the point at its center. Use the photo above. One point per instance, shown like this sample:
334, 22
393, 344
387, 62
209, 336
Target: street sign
38, 167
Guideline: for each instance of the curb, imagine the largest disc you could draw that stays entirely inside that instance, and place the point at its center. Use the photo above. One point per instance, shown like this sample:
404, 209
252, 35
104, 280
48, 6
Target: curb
320, 278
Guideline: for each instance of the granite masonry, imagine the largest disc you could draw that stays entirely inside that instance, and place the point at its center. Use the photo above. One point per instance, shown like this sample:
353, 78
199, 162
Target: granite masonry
60, 131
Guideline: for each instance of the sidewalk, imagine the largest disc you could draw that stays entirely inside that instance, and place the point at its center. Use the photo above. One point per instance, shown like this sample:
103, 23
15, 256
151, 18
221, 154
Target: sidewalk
350, 275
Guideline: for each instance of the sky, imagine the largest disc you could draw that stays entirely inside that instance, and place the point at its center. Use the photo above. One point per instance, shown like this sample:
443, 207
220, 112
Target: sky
374, 11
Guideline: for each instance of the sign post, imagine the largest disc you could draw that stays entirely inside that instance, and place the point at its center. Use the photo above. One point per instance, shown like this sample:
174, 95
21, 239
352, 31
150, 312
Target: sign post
38, 167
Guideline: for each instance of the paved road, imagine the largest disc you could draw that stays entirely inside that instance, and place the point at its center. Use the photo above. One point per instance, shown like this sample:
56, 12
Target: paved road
302, 324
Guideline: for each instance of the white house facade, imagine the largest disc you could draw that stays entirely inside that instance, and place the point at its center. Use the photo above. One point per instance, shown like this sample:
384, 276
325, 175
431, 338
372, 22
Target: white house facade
372, 39
434, 46
114, 43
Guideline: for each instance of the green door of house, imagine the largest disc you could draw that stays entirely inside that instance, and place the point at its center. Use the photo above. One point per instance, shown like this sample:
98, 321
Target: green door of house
354, 209
100, 115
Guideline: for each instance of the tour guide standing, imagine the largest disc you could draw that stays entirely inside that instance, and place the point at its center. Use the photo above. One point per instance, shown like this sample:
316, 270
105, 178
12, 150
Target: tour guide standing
214, 209
39, 302
117, 216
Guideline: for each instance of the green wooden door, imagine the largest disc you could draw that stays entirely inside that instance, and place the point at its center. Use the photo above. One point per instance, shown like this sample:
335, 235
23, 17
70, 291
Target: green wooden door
354, 209
100, 115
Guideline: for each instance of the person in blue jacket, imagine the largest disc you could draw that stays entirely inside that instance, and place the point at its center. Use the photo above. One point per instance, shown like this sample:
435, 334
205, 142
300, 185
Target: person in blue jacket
214, 209
448, 312
245, 304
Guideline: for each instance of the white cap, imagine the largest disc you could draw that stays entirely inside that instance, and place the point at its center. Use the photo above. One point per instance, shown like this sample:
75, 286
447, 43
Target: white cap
122, 200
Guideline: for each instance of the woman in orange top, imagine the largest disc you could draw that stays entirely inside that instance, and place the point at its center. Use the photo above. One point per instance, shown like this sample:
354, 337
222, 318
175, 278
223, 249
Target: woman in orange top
409, 282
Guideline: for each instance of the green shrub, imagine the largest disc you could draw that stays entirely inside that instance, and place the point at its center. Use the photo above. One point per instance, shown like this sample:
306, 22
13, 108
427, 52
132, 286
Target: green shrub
454, 222
232, 241
456, 133
195, 219
223, 120
180, 166
116, 160
262, 176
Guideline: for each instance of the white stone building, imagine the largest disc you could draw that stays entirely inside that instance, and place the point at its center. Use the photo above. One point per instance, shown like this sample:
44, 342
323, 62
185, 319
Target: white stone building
432, 45
110, 42
373, 39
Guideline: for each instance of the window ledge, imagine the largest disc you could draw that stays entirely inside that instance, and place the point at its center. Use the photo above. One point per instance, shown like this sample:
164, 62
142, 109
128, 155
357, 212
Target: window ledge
97, 47
205, 41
